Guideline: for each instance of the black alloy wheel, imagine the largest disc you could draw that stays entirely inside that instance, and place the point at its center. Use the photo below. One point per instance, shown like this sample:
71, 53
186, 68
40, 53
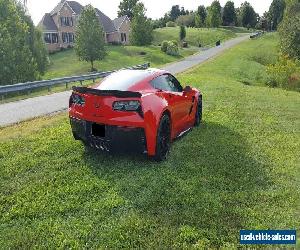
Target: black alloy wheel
198, 117
163, 140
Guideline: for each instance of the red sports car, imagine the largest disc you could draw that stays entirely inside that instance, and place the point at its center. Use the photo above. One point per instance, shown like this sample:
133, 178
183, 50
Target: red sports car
141, 110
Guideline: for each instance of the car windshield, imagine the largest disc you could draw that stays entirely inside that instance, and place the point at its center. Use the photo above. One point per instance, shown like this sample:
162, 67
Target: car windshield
123, 80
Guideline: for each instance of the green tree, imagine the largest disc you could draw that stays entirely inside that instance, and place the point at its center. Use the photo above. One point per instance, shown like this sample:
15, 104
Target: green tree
214, 14
182, 33
200, 16
289, 30
90, 43
249, 17
141, 28
186, 20
22, 52
36, 45
126, 8
175, 12
202, 13
276, 13
198, 23
229, 14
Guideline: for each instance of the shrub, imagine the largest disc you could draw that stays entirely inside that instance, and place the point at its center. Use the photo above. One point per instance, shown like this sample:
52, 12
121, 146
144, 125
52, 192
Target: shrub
182, 33
175, 42
172, 49
164, 46
170, 24
285, 73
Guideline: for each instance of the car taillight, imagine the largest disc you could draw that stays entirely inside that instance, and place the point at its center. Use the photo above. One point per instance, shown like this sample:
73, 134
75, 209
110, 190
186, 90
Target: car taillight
134, 106
76, 100
127, 105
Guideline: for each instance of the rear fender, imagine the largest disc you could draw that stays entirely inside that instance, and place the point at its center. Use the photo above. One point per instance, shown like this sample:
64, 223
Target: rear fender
153, 107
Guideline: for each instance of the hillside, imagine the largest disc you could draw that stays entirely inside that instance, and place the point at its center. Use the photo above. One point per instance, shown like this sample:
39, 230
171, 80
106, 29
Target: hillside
66, 63
239, 169
205, 36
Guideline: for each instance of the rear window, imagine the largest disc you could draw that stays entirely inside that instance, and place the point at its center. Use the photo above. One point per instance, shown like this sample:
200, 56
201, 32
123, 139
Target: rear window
123, 80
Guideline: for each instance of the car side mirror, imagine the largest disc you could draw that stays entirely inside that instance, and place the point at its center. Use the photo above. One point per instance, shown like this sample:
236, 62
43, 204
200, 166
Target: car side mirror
187, 89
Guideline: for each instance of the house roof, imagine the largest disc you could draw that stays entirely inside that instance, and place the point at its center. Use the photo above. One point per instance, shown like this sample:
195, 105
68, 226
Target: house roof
118, 21
47, 23
57, 8
75, 6
106, 22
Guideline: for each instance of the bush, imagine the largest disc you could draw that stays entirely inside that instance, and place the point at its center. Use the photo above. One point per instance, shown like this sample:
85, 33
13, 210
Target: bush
170, 24
285, 74
182, 33
172, 49
175, 42
164, 46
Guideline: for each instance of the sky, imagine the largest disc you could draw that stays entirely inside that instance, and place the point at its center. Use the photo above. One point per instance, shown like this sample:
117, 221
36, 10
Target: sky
155, 8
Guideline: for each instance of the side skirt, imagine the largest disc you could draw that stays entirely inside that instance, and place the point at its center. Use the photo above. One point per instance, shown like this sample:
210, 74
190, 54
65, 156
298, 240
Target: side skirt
183, 133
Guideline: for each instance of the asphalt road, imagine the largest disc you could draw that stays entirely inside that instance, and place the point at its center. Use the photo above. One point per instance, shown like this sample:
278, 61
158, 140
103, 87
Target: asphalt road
18, 111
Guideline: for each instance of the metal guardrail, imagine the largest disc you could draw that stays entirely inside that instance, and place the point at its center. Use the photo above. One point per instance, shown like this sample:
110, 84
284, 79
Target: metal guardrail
28, 86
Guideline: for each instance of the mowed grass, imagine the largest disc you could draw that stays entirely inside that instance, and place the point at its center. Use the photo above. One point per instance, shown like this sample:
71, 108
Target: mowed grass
207, 37
66, 63
248, 63
239, 170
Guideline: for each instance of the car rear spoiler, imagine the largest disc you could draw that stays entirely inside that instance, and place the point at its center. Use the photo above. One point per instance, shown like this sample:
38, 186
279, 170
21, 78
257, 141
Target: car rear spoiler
116, 93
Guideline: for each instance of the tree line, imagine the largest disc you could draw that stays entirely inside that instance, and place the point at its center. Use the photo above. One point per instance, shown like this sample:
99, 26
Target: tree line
211, 16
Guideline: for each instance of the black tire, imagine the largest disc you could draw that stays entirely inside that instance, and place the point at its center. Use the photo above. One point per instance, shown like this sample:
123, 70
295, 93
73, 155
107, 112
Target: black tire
76, 137
163, 139
198, 116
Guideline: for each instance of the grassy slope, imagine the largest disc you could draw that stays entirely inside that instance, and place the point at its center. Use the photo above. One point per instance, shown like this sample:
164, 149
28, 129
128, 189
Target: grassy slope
240, 169
207, 36
67, 64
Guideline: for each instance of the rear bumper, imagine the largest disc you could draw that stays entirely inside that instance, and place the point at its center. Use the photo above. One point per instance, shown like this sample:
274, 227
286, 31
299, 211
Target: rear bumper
108, 137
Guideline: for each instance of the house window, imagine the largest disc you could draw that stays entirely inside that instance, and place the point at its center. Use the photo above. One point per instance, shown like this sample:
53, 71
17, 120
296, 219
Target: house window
123, 37
68, 37
54, 38
51, 38
66, 21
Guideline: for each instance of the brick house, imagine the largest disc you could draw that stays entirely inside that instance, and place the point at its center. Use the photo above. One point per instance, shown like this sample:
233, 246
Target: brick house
59, 26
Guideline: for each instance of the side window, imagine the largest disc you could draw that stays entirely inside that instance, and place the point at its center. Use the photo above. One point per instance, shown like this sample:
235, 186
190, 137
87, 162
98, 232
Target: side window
161, 82
174, 84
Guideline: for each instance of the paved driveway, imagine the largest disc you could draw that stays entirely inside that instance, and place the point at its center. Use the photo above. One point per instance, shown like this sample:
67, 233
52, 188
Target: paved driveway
14, 112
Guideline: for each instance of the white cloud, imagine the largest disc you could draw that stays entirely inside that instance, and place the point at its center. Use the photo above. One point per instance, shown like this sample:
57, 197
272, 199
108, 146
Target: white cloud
155, 8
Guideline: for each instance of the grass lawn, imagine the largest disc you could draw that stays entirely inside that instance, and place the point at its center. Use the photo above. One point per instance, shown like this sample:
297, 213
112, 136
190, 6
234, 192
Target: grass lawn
207, 37
67, 64
239, 170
